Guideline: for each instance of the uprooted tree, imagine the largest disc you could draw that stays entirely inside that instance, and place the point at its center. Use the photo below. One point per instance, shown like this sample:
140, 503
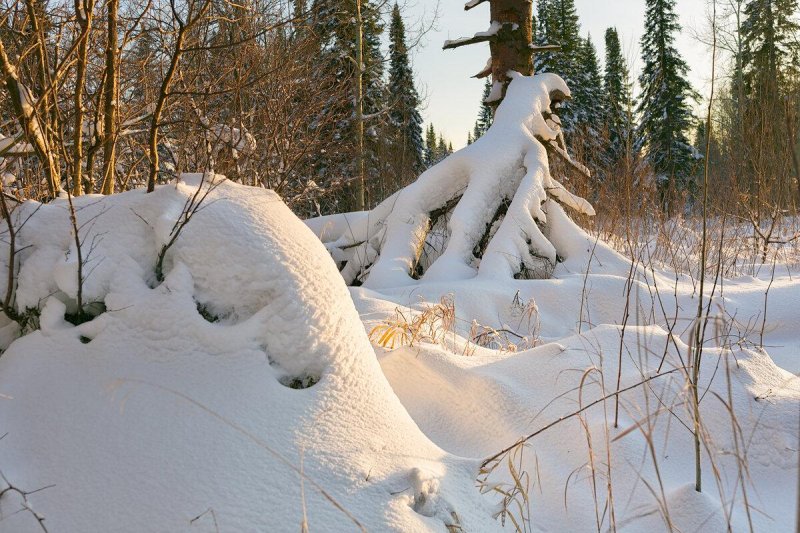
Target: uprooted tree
485, 208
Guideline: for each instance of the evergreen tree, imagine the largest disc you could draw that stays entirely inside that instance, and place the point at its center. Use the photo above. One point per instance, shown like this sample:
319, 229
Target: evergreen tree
484, 115
589, 109
335, 24
559, 25
299, 14
664, 108
441, 149
542, 35
619, 102
430, 146
375, 90
404, 117
770, 48
588, 93
771, 71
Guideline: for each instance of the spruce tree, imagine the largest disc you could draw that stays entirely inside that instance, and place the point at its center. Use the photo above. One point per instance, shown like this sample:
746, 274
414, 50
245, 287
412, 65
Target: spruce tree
543, 35
375, 90
770, 48
618, 120
430, 146
664, 107
588, 93
441, 149
404, 117
588, 105
771, 71
335, 24
484, 115
563, 28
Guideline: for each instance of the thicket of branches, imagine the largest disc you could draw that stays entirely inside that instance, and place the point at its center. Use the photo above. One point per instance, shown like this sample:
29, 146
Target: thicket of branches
105, 96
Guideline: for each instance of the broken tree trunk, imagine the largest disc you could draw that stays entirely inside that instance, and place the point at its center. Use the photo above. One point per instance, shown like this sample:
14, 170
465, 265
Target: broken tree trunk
511, 50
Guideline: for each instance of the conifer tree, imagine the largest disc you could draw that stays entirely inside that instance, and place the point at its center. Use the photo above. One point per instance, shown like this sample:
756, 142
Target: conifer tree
618, 120
561, 27
336, 25
588, 94
588, 105
430, 146
771, 71
664, 107
771, 51
404, 116
441, 149
375, 89
484, 115
543, 35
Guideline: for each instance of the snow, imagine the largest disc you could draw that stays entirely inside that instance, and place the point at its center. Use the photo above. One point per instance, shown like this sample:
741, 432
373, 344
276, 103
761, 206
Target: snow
152, 416
473, 401
149, 415
508, 162
13, 146
242, 393
493, 29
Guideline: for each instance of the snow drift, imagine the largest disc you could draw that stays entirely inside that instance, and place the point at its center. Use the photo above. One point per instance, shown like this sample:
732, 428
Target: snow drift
153, 417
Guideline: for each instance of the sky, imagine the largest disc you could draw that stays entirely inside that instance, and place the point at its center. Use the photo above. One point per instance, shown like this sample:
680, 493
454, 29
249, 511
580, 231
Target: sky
452, 97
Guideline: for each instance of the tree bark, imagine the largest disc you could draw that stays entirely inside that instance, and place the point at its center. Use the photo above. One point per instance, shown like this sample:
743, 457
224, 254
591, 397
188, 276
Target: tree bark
110, 105
511, 49
361, 194
83, 11
24, 107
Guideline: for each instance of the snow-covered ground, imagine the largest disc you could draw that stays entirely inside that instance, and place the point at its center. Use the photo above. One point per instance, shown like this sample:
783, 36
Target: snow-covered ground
240, 391
474, 402
182, 407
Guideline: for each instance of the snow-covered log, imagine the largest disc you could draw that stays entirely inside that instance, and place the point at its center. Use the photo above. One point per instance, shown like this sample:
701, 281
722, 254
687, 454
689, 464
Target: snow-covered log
482, 211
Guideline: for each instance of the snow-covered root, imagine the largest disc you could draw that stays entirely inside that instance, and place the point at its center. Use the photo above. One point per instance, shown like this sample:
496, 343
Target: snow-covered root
481, 211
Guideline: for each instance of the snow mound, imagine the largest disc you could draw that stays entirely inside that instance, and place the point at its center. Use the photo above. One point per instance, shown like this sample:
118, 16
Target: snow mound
483, 211
476, 405
240, 394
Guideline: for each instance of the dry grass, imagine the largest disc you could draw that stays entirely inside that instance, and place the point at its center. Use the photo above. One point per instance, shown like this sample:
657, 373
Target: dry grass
431, 325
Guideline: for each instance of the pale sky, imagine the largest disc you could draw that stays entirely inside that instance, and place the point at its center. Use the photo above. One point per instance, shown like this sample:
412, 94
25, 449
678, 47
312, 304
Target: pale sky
452, 96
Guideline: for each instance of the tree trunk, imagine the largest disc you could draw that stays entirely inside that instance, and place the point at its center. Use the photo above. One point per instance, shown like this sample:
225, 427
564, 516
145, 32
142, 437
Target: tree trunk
24, 106
110, 106
83, 10
511, 50
361, 196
